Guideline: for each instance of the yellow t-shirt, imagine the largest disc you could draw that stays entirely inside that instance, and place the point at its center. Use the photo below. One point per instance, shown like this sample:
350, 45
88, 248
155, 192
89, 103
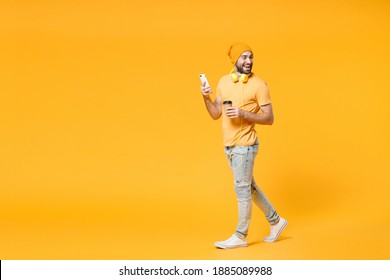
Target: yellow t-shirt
247, 96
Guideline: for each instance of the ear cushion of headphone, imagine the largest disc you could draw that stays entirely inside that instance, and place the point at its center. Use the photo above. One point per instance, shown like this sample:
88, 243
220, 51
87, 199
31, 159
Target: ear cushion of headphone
244, 78
234, 77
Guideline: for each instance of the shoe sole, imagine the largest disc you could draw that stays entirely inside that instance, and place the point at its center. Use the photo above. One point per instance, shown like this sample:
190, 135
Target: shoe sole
220, 246
277, 235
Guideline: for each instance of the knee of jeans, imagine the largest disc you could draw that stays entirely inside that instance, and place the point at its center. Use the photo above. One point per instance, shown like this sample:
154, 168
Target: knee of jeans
243, 189
243, 183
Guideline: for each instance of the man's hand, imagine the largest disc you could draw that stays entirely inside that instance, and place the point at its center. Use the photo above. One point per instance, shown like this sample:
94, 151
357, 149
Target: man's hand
234, 113
206, 90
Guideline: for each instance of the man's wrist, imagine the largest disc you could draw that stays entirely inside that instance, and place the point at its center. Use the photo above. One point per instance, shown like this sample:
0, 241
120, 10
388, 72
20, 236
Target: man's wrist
244, 114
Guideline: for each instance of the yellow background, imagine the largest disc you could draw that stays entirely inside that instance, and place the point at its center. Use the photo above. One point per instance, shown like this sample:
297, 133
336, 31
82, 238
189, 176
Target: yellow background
107, 151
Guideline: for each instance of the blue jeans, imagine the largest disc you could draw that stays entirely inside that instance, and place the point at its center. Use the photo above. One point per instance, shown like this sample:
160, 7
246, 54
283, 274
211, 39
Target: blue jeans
241, 161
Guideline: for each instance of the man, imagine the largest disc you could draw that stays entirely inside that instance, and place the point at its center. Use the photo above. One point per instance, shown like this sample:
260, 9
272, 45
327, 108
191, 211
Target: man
251, 104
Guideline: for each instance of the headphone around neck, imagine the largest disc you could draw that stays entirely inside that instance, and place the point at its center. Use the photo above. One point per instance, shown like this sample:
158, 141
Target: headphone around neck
243, 77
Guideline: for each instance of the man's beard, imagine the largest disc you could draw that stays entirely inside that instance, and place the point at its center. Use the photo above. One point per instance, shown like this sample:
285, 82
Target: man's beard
241, 70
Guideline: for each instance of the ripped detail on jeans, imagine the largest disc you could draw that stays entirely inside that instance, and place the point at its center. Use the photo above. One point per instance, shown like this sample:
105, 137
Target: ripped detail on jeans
243, 182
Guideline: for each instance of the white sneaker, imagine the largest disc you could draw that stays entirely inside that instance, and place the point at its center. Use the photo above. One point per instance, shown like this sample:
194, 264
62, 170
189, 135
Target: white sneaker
276, 230
232, 242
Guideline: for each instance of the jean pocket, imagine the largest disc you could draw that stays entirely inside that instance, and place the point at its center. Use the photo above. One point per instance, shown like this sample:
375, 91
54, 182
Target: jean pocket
238, 156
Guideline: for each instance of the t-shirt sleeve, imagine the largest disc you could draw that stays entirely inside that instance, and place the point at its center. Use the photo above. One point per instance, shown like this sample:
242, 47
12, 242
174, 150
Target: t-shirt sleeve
262, 94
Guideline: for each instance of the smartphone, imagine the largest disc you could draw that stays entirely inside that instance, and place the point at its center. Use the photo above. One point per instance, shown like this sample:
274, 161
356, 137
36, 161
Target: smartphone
203, 79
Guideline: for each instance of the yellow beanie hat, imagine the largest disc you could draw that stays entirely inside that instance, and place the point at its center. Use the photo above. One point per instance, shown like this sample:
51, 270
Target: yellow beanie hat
235, 51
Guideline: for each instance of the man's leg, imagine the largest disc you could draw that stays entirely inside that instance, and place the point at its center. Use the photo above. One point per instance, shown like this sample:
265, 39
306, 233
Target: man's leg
241, 160
242, 167
261, 200
276, 222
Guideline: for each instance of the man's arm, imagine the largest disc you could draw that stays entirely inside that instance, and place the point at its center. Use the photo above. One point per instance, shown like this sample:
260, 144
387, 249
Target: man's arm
266, 116
214, 108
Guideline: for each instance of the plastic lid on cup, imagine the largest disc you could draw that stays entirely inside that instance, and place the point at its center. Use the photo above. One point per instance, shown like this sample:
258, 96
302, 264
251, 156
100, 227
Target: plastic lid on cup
227, 102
